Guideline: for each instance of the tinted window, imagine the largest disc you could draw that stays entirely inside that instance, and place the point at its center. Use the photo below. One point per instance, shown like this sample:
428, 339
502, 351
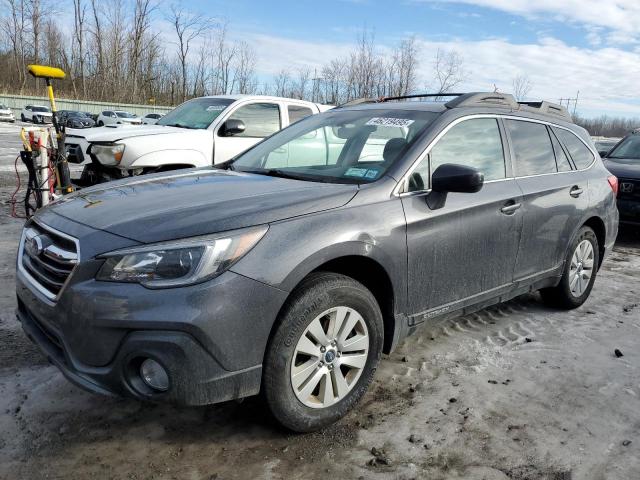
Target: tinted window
532, 148
260, 119
475, 143
579, 152
297, 112
563, 163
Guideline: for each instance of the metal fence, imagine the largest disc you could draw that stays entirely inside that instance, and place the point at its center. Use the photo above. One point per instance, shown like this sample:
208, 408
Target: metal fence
18, 102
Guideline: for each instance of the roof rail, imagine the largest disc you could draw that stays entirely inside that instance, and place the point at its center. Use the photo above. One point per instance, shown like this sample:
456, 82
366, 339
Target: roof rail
421, 95
479, 99
360, 101
547, 108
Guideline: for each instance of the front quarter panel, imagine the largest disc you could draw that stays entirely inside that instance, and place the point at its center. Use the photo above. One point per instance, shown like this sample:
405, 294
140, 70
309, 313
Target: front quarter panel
293, 248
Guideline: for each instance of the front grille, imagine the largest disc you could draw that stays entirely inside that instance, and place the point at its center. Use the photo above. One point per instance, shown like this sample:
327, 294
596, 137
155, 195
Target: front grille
47, 257
629, 188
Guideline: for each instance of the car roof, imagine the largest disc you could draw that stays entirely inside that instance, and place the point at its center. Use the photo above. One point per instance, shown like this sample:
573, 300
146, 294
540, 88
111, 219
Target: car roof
487, 101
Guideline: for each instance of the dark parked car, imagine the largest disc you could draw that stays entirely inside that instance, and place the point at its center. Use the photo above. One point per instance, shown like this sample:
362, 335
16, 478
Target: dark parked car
292, 268
624, 162
604, 146
75, 119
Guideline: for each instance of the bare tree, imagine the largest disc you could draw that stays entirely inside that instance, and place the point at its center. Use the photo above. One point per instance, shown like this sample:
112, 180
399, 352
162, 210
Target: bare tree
188, 27
521, 86
448, 70
244, 69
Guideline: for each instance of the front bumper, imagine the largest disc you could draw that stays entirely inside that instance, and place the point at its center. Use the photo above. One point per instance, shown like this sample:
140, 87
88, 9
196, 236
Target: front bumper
210, 337
629, 211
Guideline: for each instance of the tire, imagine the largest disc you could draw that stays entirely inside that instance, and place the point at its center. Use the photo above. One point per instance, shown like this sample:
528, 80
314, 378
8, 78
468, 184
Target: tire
568, 294
34, 120
101, 123
23, 118
334, 296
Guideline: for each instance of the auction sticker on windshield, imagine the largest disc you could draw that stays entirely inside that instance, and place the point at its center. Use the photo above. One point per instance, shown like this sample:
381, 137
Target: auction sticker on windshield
389, 122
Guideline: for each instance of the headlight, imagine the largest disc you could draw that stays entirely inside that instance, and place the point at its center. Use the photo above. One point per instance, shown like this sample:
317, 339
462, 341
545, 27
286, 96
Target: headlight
108, 153
183, 262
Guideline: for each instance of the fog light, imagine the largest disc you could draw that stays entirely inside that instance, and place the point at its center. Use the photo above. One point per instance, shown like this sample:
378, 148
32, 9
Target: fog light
154, 375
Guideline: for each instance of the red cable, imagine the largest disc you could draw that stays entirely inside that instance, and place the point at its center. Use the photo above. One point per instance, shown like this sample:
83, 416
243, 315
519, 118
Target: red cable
13, 200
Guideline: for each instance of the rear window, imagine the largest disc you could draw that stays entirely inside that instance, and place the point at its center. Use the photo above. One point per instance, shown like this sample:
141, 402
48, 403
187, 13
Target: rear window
532, 147
579, 152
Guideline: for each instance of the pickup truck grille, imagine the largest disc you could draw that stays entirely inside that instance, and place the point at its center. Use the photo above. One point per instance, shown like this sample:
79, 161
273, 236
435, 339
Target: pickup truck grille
48, 258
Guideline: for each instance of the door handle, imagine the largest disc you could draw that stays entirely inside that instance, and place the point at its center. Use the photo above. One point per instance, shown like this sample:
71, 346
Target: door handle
576, 191
510, 208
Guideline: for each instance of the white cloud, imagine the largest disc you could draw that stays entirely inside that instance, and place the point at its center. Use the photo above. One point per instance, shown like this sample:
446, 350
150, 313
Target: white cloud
606, 76
623, 15
621, 18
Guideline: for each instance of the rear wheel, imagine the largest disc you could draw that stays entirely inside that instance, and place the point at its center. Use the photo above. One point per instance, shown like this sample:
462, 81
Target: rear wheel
324, 352
581, 266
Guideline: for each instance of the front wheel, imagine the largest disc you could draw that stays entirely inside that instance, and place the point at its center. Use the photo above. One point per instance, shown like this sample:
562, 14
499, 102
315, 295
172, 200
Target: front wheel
101, 123
324, 353
23, 118
579, 275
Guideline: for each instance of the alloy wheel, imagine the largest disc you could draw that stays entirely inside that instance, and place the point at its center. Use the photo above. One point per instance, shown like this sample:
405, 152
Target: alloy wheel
329, 357
581, 268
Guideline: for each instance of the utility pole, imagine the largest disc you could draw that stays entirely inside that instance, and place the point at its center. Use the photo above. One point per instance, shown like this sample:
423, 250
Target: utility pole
569, 101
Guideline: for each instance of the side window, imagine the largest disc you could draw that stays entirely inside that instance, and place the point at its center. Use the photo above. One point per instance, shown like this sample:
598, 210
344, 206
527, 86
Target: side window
260, 119
579, 152
532, 148
297, 112
561, 158
475, 143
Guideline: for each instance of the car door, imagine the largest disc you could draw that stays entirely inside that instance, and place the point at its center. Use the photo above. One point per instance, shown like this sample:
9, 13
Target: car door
553, 196
469, 246
260, 119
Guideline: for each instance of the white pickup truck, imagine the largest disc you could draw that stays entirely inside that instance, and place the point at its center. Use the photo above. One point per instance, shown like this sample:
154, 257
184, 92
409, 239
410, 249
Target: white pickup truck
200, 132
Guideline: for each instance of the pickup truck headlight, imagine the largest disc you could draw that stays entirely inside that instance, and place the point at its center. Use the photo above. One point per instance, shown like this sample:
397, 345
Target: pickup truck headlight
179, 263
108, 153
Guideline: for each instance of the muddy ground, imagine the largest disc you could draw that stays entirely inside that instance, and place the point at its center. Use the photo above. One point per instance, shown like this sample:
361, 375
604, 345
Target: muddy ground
516, 391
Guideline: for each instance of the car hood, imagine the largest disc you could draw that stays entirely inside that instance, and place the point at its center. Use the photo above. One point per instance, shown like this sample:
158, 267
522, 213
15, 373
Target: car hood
160, 207
113, 133
623, 167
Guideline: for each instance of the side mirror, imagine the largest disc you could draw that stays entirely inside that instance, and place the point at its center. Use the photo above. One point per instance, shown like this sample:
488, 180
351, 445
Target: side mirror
450, 177
232, 127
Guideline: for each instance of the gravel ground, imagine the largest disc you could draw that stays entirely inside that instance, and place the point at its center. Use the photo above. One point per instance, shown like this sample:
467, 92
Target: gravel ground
516, 391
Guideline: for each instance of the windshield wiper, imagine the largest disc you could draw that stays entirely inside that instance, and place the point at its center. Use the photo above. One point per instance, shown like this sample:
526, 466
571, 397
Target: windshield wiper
179, 125
275, 172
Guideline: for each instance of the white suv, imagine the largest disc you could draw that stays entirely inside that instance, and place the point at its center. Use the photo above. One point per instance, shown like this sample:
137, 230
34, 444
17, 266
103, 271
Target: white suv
118, 117
36, 114
200, 132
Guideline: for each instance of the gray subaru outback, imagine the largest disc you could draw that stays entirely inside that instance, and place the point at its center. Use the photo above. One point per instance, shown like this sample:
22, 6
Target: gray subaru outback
290, 269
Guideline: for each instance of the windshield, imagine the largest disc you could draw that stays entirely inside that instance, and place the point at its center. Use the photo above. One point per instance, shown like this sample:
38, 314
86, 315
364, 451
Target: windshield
339, 146
76, 114
3, 107
125, 115
40, 109
627, 148
197, 113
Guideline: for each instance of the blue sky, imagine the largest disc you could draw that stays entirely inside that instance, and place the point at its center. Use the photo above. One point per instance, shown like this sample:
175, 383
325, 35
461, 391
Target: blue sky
562, 45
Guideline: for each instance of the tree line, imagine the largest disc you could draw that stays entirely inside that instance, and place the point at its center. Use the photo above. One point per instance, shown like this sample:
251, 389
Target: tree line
112, 51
